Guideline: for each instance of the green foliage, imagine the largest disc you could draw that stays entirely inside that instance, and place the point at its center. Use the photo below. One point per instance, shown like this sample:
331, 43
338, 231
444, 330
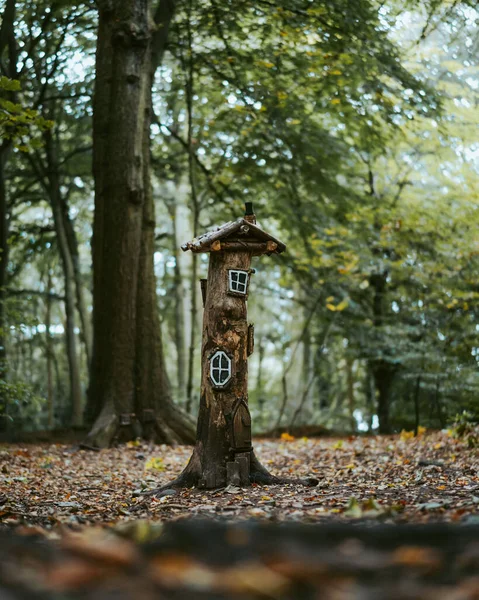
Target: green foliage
349, 125
17, 123
20, 406
466, 428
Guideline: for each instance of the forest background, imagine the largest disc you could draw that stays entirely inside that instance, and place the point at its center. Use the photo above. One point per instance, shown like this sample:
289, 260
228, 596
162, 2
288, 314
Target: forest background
353, 128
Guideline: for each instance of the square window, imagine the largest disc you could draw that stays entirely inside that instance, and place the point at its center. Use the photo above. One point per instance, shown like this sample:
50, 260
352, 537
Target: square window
238, 282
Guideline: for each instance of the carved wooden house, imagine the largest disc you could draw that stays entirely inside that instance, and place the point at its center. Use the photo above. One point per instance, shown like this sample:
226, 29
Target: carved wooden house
224, 425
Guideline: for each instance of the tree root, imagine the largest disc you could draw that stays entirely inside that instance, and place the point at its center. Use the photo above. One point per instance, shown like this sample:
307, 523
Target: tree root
258, 474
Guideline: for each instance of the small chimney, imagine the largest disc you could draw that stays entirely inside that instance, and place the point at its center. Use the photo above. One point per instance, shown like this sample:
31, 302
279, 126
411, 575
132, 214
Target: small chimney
249, 213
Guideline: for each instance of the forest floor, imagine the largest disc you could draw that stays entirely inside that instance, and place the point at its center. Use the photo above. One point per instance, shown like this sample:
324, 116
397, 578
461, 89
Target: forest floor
433, 477
73, 524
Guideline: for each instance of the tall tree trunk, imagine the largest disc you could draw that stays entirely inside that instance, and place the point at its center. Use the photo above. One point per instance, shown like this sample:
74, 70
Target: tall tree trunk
54, 189
85, 324
179, 311
417, 391
382, 370
383, 373
49, 352
259, 381
4, 228
8, 64
350, 392
128, 377
192, 344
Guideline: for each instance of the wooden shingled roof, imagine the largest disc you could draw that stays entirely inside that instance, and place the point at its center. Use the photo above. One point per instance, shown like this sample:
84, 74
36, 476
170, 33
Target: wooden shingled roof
236, 235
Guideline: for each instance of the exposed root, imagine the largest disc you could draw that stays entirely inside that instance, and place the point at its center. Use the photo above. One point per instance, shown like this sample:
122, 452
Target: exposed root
258, 474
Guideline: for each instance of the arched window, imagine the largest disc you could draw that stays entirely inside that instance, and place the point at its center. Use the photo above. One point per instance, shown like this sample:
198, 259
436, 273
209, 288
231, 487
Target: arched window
238, 282
220, 368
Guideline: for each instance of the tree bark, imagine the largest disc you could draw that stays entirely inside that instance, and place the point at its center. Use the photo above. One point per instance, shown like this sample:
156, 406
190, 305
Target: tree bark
128, 377
179, 311
382, 370
223, 440
8, 63
85, 324
4, 229
49, 352
350, 392
383, 373
54, 190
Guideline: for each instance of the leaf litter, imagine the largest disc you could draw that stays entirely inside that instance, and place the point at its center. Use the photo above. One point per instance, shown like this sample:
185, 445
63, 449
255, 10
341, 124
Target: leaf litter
76, 524
431, 477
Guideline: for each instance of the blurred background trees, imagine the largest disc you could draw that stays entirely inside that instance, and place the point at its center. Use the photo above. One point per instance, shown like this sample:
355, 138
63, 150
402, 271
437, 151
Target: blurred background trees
351, 125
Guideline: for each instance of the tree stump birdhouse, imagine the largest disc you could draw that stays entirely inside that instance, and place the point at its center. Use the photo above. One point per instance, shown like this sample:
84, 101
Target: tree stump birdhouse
223, 453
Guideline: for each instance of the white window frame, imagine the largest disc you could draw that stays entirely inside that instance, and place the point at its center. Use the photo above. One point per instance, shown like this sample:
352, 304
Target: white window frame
220, 355
244, 284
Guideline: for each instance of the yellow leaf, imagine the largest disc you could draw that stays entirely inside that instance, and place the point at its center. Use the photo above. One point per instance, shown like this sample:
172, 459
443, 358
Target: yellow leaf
329, 298
133, 444
338, 445
335, 101
406, 435
155, 464
342, 305
335, 72
265, 63
286, 437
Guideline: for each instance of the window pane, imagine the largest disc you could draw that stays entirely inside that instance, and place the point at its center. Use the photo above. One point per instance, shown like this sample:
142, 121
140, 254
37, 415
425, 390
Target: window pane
216, 376
216, 361
224, 362
242, 277
234, 276
223, 376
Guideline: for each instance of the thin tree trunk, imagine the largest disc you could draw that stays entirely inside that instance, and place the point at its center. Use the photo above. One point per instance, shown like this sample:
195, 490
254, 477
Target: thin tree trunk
306, 365
192, 345
383, 374
382, 370
179, 311
69, 279
196, 212
85, 324
8, 63
49, 353
4, 251
437, 401
371, 397
259, 381
350, 388
417, 390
